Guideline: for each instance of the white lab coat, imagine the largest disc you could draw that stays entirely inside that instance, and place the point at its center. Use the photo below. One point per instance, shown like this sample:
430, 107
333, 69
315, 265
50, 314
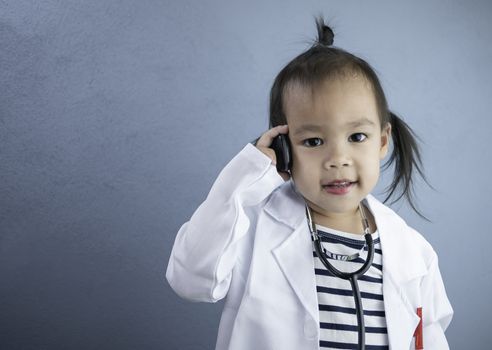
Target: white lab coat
249, 242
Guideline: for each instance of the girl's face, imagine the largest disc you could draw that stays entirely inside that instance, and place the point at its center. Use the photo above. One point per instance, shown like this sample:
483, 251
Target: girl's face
335, 134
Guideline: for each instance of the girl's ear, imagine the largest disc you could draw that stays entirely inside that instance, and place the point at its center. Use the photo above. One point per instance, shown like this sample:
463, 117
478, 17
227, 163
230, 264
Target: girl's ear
385, 140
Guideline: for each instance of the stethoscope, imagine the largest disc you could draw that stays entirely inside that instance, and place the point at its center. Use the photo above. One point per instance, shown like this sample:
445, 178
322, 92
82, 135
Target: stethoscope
352, 276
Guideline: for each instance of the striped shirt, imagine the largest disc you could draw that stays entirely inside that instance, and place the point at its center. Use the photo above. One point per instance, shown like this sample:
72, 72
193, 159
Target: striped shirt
338, 321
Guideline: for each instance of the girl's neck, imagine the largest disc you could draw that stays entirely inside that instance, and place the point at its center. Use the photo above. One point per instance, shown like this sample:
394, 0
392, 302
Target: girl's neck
348, 223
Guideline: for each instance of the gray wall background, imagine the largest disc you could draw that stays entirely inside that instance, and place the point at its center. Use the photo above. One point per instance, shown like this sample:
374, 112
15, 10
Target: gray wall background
117, 116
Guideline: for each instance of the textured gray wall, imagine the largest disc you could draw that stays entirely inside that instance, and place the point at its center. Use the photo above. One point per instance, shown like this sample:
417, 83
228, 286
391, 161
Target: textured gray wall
117, 116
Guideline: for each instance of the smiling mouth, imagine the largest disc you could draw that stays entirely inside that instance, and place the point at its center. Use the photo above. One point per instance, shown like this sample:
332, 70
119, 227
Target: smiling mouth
339, 188
340, 184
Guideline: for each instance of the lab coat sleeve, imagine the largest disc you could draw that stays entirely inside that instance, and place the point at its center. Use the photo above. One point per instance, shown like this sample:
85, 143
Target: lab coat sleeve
437, 310
204, 252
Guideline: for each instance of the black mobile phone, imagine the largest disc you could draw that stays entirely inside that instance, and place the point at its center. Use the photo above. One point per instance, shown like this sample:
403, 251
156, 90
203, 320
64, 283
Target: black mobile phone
282, 148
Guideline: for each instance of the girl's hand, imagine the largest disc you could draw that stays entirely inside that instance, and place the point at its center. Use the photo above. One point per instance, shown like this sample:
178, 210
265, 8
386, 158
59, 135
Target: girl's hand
265, 141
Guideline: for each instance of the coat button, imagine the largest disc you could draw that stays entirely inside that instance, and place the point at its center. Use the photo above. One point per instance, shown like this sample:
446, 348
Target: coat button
310, 328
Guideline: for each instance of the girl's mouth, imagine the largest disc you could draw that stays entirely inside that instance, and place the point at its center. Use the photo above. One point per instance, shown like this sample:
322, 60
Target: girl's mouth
339, 188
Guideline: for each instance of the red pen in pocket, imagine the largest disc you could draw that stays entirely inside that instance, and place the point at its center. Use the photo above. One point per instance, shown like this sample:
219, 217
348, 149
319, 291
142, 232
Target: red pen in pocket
418, 334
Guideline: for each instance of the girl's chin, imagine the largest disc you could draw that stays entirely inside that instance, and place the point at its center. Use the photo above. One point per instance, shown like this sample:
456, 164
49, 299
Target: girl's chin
334, 204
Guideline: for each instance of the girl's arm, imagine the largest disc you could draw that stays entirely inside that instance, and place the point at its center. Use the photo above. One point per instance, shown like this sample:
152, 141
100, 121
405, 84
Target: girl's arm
204, 252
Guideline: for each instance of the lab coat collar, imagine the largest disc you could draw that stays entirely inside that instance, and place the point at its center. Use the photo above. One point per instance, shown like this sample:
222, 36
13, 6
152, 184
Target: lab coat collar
294, 256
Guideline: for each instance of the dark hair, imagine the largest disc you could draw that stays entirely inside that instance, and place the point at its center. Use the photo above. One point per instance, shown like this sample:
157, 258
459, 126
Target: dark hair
323, 61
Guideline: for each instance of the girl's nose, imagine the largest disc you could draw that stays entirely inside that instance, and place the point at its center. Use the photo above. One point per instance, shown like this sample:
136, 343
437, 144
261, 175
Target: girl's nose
337, 157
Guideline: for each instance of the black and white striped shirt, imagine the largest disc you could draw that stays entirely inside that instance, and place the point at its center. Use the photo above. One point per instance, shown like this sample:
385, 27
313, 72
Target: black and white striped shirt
338, 322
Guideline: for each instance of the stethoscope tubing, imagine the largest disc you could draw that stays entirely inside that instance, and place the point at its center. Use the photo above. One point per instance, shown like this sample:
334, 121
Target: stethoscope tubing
351, 276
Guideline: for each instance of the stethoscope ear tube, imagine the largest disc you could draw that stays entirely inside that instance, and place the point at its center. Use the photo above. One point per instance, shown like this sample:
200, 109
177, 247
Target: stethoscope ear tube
352, 276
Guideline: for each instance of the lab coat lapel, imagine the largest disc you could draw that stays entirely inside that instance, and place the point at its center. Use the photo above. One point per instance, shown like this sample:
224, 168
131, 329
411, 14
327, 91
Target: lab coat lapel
398, 252
295, 255
401, 319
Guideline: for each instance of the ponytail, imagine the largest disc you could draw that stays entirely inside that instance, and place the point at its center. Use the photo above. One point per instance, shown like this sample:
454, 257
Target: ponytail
406, 156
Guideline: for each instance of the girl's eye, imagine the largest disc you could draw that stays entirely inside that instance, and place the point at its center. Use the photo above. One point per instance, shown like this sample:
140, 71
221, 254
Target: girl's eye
312, 142
359, 137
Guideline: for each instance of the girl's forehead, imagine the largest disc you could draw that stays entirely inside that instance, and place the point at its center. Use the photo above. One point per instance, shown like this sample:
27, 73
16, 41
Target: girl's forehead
331, 100
309, 92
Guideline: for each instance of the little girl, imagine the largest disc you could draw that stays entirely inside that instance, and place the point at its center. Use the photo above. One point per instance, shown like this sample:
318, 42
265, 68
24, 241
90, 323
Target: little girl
265, 238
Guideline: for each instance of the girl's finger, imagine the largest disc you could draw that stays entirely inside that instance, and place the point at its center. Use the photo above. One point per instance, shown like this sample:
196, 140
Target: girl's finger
266, 139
